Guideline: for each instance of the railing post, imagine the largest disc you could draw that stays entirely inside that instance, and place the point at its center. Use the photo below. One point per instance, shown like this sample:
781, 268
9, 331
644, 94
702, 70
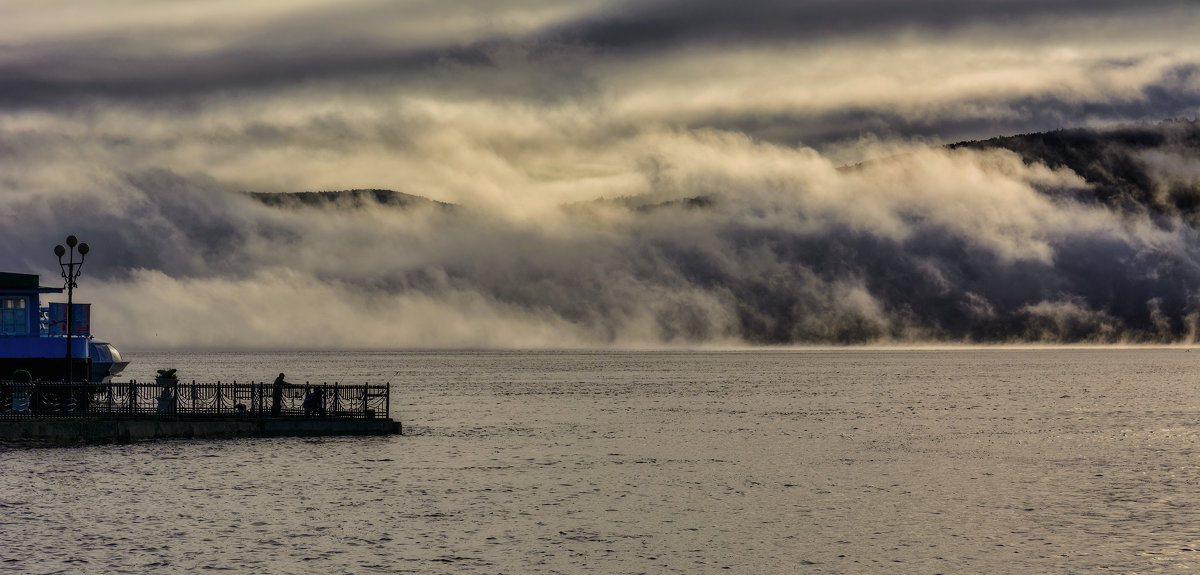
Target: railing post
323, 409
62, 399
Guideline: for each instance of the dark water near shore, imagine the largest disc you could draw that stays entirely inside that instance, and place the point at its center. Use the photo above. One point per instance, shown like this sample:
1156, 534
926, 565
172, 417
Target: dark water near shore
959, 461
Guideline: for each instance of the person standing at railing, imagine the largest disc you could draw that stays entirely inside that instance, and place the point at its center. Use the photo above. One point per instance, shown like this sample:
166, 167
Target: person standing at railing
277, 395
318, 400
308, 401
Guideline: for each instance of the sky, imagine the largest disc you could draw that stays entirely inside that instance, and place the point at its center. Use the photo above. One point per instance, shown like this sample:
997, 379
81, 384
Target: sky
138, 125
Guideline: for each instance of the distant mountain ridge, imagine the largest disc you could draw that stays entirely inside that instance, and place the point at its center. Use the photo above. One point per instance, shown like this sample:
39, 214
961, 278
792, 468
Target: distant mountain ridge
347, 199
1154, 168
362, 198
700, 270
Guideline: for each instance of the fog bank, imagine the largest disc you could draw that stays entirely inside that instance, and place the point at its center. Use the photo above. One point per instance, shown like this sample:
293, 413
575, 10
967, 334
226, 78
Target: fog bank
608, 173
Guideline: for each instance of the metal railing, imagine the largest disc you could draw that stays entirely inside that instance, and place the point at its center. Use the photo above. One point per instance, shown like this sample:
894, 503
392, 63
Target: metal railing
190, 400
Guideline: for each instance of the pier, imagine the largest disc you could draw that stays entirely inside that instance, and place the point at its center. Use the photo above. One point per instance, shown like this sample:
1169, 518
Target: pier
59, 412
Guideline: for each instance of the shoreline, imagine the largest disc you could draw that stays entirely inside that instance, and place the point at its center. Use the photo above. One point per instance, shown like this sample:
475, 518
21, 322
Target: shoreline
128, 430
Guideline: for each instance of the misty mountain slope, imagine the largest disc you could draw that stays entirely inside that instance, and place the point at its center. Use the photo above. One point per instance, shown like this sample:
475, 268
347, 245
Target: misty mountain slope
733, 242
720, 127
1096, 272
345, 199
1130, 168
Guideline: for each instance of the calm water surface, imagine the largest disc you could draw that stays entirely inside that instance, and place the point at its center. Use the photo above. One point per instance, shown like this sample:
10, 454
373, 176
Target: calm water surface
962, 461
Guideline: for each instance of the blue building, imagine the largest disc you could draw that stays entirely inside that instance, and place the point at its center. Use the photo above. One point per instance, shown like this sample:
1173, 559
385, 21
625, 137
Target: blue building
34, 338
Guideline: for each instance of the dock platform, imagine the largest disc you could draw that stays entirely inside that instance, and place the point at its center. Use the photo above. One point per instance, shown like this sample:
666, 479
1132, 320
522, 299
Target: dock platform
61, 413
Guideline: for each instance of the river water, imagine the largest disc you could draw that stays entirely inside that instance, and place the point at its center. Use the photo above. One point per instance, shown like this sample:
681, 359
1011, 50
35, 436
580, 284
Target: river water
844, 461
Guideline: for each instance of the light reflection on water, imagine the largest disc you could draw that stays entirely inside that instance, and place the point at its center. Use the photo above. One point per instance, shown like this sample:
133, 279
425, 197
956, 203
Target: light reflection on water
658, 462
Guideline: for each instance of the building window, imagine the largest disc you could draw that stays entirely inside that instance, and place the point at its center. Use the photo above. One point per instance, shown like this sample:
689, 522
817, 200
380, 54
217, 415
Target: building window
14, 317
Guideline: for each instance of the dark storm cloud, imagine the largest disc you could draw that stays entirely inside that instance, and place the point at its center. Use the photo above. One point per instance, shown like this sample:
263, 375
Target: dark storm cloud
316, 46
624, 58
157, 220
717, 131
955, 246
651, 24
144, 78
1175, 94
143, 54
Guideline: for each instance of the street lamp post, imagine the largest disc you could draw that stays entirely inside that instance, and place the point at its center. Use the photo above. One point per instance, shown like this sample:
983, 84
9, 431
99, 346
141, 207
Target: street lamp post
70, 271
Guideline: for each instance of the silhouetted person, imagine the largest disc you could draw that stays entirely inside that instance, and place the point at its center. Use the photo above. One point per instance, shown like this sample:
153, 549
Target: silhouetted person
277, 395
318, 400
308, 401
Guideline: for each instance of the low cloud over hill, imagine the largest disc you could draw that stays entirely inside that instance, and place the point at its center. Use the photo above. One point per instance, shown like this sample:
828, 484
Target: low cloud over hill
1068, 236
533, 173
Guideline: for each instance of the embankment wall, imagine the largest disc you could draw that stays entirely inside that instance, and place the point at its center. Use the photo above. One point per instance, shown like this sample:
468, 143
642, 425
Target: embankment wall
75, 431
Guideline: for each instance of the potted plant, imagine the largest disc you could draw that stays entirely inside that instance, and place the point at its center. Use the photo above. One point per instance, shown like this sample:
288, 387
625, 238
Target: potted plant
166, 399
166, 377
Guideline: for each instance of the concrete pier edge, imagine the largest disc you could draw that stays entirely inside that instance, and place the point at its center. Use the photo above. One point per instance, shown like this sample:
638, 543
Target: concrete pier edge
113, 430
